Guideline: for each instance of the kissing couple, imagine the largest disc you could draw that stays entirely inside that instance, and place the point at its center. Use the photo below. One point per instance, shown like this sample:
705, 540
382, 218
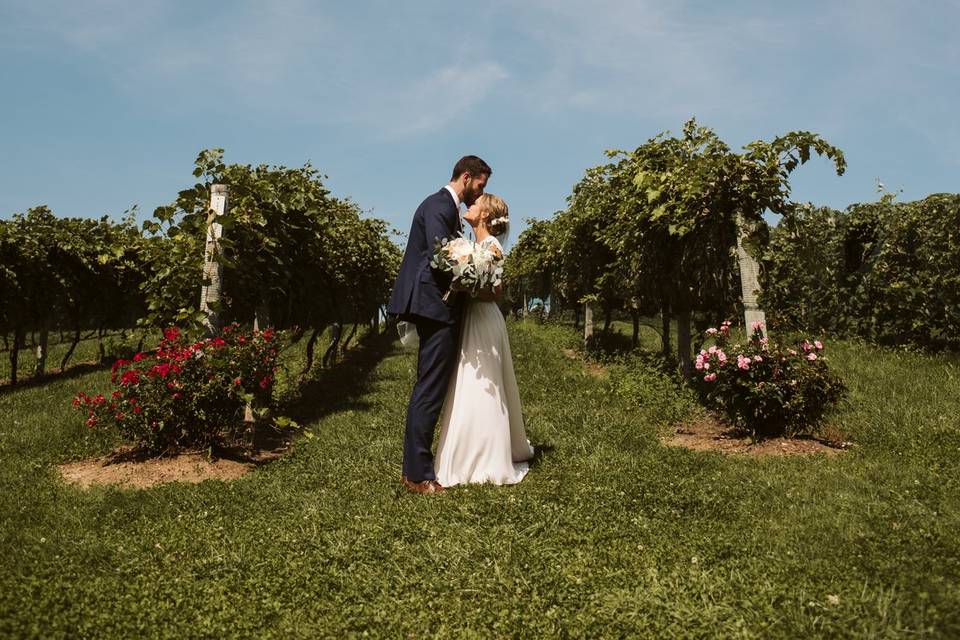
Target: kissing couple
464, 365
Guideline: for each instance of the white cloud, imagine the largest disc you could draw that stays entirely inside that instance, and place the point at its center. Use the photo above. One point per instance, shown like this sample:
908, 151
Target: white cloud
434, 101
382, 68
647, 57
284, 58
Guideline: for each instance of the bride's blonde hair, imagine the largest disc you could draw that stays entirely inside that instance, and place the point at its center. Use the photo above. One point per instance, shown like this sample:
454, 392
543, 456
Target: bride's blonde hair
498, 222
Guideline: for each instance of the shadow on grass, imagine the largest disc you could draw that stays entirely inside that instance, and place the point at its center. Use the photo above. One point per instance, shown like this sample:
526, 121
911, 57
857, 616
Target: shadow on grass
338, 388
540, 451
343, 386
75, 371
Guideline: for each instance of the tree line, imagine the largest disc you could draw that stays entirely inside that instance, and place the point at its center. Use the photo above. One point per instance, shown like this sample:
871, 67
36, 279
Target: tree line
291, 256
887, 271
655, 230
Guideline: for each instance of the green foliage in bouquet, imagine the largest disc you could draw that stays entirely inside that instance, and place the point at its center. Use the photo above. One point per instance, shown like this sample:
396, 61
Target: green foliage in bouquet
471, 267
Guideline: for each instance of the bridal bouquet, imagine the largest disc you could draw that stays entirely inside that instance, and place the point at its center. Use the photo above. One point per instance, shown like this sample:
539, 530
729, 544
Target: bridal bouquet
474, 267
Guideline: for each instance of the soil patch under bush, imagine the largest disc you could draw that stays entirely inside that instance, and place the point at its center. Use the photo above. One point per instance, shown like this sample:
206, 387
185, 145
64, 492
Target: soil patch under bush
709, 434
130, 469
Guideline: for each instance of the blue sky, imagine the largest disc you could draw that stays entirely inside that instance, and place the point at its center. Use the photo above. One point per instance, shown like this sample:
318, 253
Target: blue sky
106, 103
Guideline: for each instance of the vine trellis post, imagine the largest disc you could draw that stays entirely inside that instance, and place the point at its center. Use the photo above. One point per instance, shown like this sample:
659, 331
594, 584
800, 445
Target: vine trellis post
749, 284
587, 325
212, 269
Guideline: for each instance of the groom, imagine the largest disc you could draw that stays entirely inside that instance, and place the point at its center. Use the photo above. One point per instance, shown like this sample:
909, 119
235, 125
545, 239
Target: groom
418, 299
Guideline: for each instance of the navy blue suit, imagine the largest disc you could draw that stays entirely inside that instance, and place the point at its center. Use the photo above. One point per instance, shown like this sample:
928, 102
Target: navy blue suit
418, 298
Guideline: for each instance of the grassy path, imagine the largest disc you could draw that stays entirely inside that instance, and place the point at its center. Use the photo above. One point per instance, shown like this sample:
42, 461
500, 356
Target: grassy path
611, 534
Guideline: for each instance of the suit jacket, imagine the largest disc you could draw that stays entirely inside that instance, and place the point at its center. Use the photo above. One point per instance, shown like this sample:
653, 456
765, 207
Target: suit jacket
418, 291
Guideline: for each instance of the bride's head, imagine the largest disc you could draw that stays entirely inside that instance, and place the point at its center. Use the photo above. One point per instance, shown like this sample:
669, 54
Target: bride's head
490, 212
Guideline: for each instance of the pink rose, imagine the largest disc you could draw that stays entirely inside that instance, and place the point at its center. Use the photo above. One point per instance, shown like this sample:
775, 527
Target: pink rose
811, 356
818, 344
710, 377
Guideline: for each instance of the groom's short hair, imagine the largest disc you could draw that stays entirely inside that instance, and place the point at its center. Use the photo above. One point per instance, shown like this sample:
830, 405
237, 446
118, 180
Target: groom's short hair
472, 165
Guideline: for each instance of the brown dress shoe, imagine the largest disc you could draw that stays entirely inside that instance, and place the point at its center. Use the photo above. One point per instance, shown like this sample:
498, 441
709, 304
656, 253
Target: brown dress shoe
424, 486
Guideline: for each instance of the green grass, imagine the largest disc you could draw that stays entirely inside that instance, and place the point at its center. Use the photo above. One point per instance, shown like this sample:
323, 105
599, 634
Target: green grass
84, 357
611, 534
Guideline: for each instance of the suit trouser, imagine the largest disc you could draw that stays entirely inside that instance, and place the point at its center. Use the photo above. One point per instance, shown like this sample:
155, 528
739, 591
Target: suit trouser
439, 345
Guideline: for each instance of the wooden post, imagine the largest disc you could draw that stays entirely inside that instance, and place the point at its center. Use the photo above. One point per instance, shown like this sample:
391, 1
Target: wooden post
19, 335
261, 317
749, 285
587, 325
41, 365
212, 270
683, 342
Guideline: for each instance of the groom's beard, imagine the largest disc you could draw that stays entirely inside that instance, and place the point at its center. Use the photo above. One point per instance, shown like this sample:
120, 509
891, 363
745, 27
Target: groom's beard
469, 197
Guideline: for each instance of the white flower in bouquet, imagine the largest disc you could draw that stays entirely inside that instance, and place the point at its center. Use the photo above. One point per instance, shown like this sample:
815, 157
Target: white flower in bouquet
460, 249
473, 267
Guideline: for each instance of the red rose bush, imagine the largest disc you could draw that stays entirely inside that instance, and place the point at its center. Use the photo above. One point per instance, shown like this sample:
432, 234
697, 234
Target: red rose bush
186, 393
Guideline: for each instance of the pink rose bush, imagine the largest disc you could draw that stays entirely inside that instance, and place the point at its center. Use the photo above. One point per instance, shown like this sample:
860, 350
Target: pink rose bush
186, 393
766, 389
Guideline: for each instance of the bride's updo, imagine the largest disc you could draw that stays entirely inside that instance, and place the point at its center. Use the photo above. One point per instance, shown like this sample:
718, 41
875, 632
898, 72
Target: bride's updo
497, 221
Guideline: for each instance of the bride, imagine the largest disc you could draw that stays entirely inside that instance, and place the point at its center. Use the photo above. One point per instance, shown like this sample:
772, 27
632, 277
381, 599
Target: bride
482, 438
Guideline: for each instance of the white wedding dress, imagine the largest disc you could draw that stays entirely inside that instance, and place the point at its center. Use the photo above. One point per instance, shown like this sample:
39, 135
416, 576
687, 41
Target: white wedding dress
482, 439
